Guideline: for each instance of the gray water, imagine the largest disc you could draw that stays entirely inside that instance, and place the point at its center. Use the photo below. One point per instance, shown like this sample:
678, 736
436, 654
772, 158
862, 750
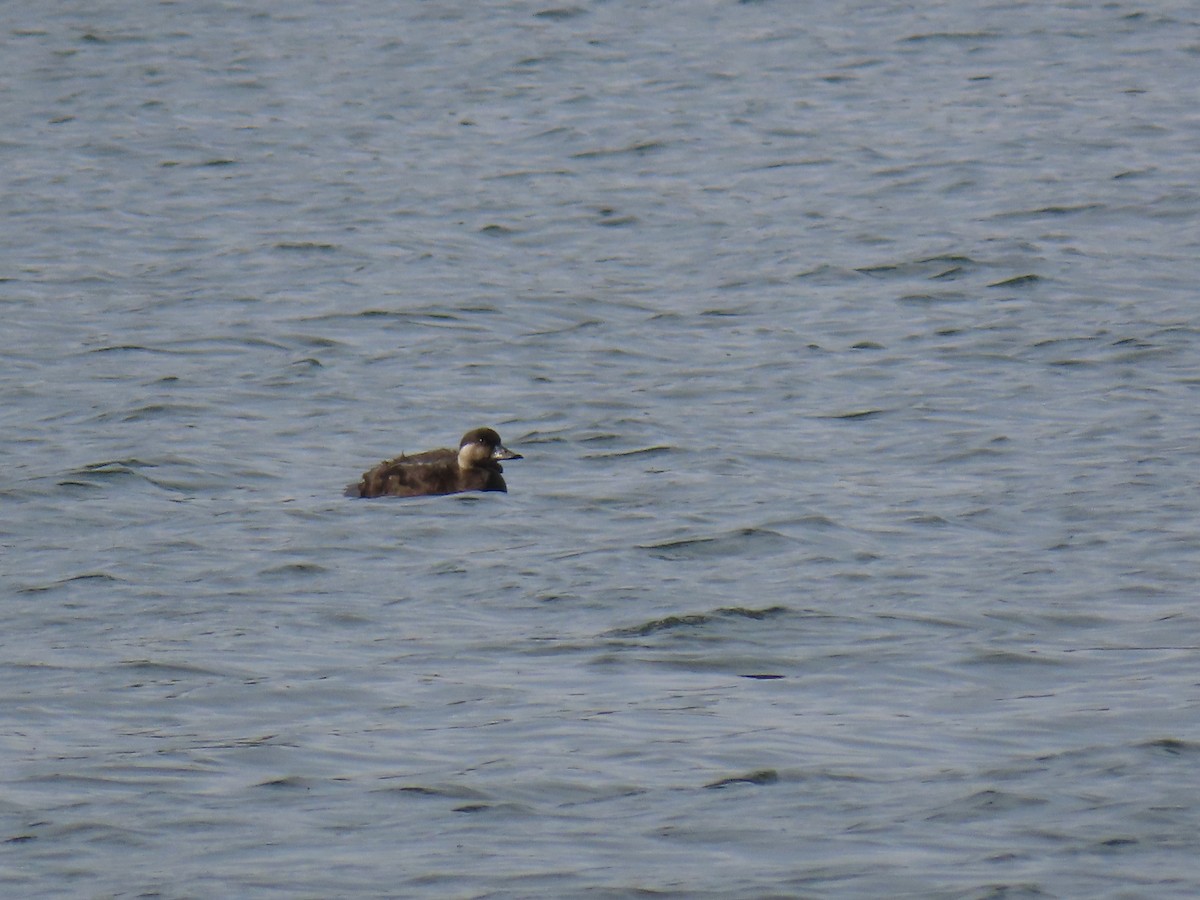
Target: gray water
854, 352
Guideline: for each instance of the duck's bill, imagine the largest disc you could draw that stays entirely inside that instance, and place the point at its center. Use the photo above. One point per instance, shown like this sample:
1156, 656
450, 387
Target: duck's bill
504, 453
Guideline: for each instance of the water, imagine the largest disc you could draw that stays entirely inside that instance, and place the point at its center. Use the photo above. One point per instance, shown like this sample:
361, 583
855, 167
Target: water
852, 350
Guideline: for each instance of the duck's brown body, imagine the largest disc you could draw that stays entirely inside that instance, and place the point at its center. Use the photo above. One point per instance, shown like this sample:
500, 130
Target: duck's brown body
475, 466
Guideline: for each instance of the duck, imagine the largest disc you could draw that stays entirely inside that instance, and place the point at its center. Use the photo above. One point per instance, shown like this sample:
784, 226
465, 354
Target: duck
475, 466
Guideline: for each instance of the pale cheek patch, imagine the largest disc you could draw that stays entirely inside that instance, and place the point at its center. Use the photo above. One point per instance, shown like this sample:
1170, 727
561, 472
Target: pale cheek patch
471, 455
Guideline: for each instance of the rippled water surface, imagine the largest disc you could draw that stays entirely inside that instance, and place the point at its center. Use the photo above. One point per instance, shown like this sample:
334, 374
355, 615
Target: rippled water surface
853, 352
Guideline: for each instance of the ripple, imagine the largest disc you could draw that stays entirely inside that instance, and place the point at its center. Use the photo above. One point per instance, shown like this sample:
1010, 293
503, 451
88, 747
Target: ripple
761, 777
697, 620
742, 542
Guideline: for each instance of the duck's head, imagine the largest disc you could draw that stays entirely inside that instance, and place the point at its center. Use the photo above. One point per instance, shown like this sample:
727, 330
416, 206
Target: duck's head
480, 447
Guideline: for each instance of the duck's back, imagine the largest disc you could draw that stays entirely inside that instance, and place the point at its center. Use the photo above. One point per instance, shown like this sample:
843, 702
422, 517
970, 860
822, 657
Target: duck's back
445, 454
425, 474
